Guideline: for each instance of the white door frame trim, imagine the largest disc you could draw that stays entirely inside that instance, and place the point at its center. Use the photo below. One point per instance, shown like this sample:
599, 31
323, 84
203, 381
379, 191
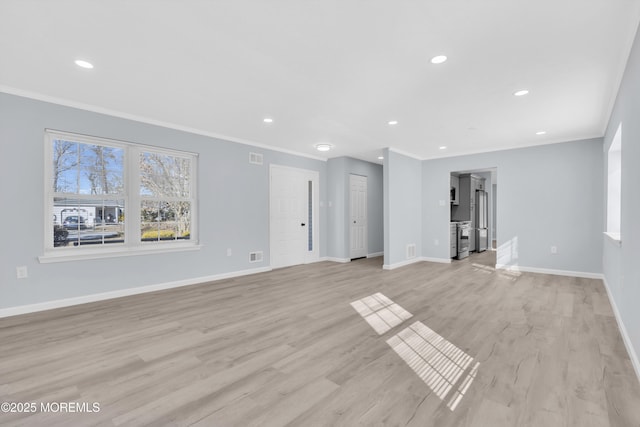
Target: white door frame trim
366, 229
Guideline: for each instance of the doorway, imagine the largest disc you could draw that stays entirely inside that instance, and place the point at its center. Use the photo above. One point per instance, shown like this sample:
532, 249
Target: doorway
358, 222
473, 205
293, 216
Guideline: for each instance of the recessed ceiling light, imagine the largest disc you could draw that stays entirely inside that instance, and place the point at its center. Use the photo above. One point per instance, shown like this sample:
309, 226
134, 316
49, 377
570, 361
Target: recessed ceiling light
84, 64
268, 120
323, 147
393, 122
380, 158
443, 147
438, 59
542, 132
521, 92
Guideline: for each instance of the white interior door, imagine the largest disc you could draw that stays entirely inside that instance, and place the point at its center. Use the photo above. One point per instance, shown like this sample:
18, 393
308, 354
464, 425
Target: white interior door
293, 216
358, 215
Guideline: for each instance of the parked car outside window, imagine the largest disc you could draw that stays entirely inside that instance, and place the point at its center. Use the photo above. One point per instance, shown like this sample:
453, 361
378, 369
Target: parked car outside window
74, 222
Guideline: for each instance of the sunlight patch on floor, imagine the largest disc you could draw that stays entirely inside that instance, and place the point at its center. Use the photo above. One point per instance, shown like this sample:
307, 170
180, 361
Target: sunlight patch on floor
462, 389
380, 312
483, 268
439, 363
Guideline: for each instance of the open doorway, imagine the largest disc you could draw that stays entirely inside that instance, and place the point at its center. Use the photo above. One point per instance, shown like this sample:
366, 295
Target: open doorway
473, 224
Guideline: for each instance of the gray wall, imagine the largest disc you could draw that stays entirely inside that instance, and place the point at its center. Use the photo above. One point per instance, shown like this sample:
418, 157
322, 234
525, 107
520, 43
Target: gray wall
548, 195
620, 262
403, 206
338, 171
233, 206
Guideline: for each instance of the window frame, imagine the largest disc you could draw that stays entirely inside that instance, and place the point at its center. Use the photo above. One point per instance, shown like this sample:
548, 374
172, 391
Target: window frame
133, 244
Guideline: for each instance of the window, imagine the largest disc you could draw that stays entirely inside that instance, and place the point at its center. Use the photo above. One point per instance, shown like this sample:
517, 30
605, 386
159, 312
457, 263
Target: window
165, 193
107, 196
614, 185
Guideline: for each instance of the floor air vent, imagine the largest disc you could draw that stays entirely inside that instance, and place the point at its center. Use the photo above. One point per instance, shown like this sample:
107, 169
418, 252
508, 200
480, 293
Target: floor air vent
255, 256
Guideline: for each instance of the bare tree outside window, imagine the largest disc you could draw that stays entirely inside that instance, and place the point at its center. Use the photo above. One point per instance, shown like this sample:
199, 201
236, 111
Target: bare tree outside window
88, 193
103, 169
87, 169
65, 159
165, 187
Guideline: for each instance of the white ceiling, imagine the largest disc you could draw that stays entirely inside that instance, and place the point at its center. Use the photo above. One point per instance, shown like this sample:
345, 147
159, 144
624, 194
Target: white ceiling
331, 71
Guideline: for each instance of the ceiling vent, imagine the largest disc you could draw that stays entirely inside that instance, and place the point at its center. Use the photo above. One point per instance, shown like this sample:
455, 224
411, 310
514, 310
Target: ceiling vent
255, 158
255, 256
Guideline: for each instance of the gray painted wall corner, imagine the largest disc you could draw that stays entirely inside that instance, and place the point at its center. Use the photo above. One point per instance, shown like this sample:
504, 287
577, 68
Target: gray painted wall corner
622, 275
403, 207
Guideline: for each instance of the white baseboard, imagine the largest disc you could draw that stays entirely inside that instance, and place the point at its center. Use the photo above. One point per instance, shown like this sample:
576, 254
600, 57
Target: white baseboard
524, 269
49, 305
344, 260
623, 330
401, 263
414, 260
334, 259
440, 260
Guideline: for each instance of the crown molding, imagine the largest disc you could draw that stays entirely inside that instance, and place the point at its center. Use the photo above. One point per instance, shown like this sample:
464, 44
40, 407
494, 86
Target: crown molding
141, 119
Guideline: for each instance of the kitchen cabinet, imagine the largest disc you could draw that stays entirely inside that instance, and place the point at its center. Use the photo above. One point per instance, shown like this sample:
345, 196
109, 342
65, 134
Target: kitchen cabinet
462, 211
455, 190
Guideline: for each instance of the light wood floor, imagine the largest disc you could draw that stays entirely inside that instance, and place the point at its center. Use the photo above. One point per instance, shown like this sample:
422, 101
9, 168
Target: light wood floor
286, 347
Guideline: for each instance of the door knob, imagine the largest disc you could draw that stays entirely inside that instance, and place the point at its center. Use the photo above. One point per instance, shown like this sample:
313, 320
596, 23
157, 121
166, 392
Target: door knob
302, 224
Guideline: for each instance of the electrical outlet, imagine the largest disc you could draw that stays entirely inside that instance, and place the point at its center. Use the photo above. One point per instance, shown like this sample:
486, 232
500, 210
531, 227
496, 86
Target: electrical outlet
554, 249
229, 252
22, 272
441, 202
436, 242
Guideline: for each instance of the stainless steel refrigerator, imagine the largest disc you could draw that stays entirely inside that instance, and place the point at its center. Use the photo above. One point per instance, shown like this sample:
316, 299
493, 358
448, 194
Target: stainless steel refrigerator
482, 221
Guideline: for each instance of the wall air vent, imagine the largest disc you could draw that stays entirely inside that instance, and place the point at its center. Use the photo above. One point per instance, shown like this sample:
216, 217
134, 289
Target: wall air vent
255, 256
411, 251
255, 158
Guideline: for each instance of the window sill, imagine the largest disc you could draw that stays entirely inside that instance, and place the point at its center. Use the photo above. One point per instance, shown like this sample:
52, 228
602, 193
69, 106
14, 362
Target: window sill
79, 254
614, 237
